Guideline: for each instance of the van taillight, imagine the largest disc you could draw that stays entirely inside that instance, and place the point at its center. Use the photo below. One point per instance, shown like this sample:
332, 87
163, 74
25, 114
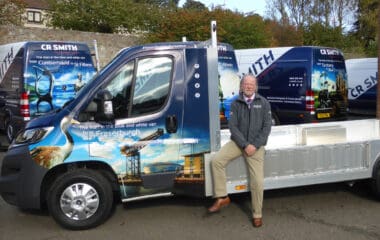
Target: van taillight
24, 106
310, 101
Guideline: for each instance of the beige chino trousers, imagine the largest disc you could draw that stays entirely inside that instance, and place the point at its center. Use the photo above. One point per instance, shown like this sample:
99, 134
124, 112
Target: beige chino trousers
255, 163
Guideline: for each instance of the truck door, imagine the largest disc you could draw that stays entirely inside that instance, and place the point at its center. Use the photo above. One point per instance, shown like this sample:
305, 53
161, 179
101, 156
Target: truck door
137, 128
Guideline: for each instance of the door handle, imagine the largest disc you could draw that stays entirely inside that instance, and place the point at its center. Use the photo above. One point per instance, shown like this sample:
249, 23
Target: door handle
171, 124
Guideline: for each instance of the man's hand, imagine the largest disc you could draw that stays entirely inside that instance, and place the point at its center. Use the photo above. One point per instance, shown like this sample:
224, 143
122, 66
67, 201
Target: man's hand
250, 149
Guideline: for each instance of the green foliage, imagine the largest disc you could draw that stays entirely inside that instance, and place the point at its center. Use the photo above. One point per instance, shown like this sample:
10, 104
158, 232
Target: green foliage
291, 23
234, 28
366, 27
106, 16
194, 5
10, 11
318, 34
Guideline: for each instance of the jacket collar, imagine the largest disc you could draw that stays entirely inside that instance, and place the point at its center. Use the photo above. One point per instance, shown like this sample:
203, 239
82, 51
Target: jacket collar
242, 99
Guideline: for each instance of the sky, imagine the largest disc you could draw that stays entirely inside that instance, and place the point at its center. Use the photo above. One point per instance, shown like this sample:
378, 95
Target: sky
245, 6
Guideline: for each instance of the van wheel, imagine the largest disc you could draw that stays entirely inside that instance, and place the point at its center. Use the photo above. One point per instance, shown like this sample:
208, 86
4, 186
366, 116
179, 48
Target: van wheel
275, 120
375, 183
9, 130
80, 199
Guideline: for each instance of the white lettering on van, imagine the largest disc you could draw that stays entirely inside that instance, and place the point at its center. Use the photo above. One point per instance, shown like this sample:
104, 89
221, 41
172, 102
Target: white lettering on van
222, 48
363, 87
65, 47
261, 63
5, 64
45, 47
59, 47
329, 52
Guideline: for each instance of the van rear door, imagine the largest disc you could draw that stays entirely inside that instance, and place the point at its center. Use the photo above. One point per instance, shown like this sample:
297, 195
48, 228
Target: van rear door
54, 72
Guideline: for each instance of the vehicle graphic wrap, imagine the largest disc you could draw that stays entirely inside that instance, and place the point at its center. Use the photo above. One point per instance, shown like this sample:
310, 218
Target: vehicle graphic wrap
149, 153
302, 84
54, 73
229, 80
329, 81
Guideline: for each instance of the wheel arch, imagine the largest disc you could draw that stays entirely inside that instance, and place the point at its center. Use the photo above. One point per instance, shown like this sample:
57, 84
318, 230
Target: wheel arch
98, 166
8, 115
375, 178
376, 167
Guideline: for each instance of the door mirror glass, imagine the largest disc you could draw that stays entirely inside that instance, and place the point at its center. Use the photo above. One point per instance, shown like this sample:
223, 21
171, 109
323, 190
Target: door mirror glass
104, 113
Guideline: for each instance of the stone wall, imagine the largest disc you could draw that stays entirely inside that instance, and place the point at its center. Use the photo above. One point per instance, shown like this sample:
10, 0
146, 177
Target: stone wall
108, 44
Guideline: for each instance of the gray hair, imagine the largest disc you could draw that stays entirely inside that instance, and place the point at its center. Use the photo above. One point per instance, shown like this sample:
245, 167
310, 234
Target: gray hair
245, 75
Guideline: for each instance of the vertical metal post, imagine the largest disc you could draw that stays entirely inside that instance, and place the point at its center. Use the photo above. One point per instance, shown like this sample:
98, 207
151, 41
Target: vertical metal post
96, 55
214, 41
213, 86
378, 68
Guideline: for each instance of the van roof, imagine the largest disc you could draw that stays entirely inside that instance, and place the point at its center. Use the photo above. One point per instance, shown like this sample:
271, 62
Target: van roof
179, 45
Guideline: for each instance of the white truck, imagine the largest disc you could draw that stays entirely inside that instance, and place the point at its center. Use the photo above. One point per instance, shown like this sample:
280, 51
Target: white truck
147, 126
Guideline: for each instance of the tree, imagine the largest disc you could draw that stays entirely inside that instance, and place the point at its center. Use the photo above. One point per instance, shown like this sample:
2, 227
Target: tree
10, 11
278, 11
194, 5
320, 35
366, 28
160, 3
233, 27
241, 31
284, 35
335, 13
107, 16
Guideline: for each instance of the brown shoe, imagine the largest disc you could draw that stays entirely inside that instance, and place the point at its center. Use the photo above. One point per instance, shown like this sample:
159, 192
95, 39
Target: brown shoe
218, 204
257, 222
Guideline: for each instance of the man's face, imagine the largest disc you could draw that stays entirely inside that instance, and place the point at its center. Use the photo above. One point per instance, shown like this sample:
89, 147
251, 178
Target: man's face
249, 86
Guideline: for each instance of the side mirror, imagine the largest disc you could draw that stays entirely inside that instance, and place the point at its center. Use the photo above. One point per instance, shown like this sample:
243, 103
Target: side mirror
104, 107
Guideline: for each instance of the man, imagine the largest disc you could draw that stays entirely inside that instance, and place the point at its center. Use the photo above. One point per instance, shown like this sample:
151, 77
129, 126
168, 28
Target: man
78, 83
250, 124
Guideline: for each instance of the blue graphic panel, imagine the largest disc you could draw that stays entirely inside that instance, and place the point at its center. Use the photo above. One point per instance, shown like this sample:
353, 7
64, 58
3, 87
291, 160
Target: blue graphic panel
54, 73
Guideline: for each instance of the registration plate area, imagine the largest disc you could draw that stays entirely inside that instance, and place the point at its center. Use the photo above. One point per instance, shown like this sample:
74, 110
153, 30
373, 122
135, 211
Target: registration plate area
323, 115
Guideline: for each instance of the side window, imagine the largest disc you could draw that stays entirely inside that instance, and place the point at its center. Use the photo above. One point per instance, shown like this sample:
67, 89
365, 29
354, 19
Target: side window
14, 72
152, 84
138, 88
120, 88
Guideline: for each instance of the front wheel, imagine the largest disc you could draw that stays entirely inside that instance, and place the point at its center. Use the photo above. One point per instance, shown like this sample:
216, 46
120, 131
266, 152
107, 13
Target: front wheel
80, 199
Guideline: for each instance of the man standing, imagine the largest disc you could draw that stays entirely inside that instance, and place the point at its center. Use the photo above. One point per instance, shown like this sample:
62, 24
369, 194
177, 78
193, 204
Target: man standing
78, 83
250, 124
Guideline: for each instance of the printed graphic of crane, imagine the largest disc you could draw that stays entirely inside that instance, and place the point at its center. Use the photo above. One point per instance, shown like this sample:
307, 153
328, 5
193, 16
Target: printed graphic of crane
132, 154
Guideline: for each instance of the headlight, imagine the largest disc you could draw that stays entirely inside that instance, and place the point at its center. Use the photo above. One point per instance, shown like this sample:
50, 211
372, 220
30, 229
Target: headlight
32, 135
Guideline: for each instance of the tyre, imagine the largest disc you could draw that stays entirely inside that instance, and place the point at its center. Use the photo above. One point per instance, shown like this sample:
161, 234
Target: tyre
80, 199
375, 183
275, 120
9, 130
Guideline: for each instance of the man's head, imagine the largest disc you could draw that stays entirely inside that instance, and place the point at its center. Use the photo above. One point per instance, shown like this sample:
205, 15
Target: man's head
249, 85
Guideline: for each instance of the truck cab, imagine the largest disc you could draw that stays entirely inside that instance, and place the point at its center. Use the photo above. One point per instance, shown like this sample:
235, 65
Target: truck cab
138, 130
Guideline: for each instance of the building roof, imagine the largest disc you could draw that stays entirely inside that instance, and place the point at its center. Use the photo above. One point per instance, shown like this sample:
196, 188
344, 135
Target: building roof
37, 4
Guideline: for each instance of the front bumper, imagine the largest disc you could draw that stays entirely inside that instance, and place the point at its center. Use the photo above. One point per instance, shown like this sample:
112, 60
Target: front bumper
21, 179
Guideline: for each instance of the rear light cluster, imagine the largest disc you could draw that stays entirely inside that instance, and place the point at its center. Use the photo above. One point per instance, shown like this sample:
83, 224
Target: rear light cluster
310, 102
24, 106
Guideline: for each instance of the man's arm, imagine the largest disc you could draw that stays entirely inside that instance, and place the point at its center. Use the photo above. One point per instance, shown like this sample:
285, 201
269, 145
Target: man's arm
262, 137
237, 136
